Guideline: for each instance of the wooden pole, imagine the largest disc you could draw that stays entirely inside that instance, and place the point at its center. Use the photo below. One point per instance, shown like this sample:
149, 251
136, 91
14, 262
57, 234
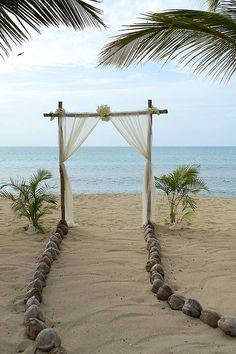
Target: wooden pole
62, 180
149, 139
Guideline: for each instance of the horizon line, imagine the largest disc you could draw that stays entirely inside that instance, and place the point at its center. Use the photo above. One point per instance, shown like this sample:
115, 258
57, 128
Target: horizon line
117, 146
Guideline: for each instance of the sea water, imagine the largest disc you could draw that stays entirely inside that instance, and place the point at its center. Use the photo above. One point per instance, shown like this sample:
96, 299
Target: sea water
120, 169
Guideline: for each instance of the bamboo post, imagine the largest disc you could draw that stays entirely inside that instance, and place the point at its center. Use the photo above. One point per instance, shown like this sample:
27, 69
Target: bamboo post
62, 180
149, 139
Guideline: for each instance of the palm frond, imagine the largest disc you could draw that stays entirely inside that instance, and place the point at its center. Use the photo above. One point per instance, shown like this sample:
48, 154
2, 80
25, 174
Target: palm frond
212, 4
17, 16
226, 7
204, 41
40, 176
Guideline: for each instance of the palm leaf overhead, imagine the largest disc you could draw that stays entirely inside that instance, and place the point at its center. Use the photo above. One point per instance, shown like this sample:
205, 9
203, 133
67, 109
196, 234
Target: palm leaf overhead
18, 17
205, 41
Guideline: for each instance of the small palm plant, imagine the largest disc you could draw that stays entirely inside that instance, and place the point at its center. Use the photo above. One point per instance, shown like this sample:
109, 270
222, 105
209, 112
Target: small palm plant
180, 186
31, 199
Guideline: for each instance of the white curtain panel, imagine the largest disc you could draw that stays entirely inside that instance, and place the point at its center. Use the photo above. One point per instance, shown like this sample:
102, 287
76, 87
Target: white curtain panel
75, 132
137, 131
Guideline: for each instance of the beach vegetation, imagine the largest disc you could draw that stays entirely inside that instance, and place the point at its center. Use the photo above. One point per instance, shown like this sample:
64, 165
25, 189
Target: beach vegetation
19, 18
181, 186
203, 41
31, 199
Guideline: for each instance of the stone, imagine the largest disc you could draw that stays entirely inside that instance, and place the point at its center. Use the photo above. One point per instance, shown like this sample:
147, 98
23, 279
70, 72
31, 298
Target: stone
32, 301
155, 249
211, 317
150, 243
36, 283
47, 339
39, 275
154, 258
228, 325
154, 275
55, 239
154, 254
164, 292
149, 239
192, 308
63, 221
34, 327
53, 245
158, 268
176, 301
33, 311
149, 236
148, 224
57, 235
43, 267
157, 283
33, 292
148, 231
53, 252
64, 228
48, 254
150, 264
46, 259
59, 231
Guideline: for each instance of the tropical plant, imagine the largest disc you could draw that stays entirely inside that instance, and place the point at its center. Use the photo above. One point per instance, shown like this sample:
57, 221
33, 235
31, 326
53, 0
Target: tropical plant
203, 40
18, 17
180, 187
31, 199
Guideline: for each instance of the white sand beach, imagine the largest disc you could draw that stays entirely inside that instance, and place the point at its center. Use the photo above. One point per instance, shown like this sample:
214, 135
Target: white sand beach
98, 294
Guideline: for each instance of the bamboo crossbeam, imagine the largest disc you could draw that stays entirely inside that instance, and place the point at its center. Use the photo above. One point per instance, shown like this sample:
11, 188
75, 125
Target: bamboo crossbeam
96, 115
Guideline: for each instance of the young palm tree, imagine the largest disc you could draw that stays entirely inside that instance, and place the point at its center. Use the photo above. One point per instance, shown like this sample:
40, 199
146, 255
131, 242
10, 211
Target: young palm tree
18, 17
31, 200
203, 40
180, 186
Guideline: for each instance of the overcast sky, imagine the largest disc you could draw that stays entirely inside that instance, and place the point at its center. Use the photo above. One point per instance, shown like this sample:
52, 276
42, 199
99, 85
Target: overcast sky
61, 65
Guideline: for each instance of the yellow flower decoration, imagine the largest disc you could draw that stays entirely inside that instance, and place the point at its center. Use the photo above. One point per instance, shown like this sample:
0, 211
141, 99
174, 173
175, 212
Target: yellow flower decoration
104, 112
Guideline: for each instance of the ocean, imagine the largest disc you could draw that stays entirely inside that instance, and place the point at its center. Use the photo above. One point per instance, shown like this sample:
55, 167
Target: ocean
120, 169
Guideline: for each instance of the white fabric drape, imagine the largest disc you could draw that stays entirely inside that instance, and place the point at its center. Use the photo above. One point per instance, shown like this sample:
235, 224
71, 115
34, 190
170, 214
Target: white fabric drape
137, 131
74, 132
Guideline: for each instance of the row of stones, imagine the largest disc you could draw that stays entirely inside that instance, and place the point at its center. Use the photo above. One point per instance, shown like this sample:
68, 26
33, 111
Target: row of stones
163, 291
46, 338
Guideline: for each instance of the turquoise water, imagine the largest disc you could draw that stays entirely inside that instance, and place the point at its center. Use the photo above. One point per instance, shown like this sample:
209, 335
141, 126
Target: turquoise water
120, 169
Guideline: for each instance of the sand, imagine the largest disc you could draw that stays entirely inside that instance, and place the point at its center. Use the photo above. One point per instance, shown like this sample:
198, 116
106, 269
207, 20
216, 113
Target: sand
98, 293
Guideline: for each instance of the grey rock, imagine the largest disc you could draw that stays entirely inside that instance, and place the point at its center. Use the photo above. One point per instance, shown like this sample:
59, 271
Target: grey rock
192, 308
228, 325
47, 339
176, 301
211, 317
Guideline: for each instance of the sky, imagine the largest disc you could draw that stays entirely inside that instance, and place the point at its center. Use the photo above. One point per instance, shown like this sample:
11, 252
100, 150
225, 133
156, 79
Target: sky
61, 65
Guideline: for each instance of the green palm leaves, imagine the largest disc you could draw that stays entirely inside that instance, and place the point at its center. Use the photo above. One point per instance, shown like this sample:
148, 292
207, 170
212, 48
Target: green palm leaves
204, 41
31, 199
18, 17
180, 186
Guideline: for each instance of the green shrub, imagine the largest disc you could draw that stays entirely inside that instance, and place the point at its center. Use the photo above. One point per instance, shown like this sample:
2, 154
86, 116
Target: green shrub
180, 187
31, 199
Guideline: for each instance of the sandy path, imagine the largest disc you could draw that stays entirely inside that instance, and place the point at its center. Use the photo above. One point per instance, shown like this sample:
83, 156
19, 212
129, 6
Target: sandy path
101, 295
98, 293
